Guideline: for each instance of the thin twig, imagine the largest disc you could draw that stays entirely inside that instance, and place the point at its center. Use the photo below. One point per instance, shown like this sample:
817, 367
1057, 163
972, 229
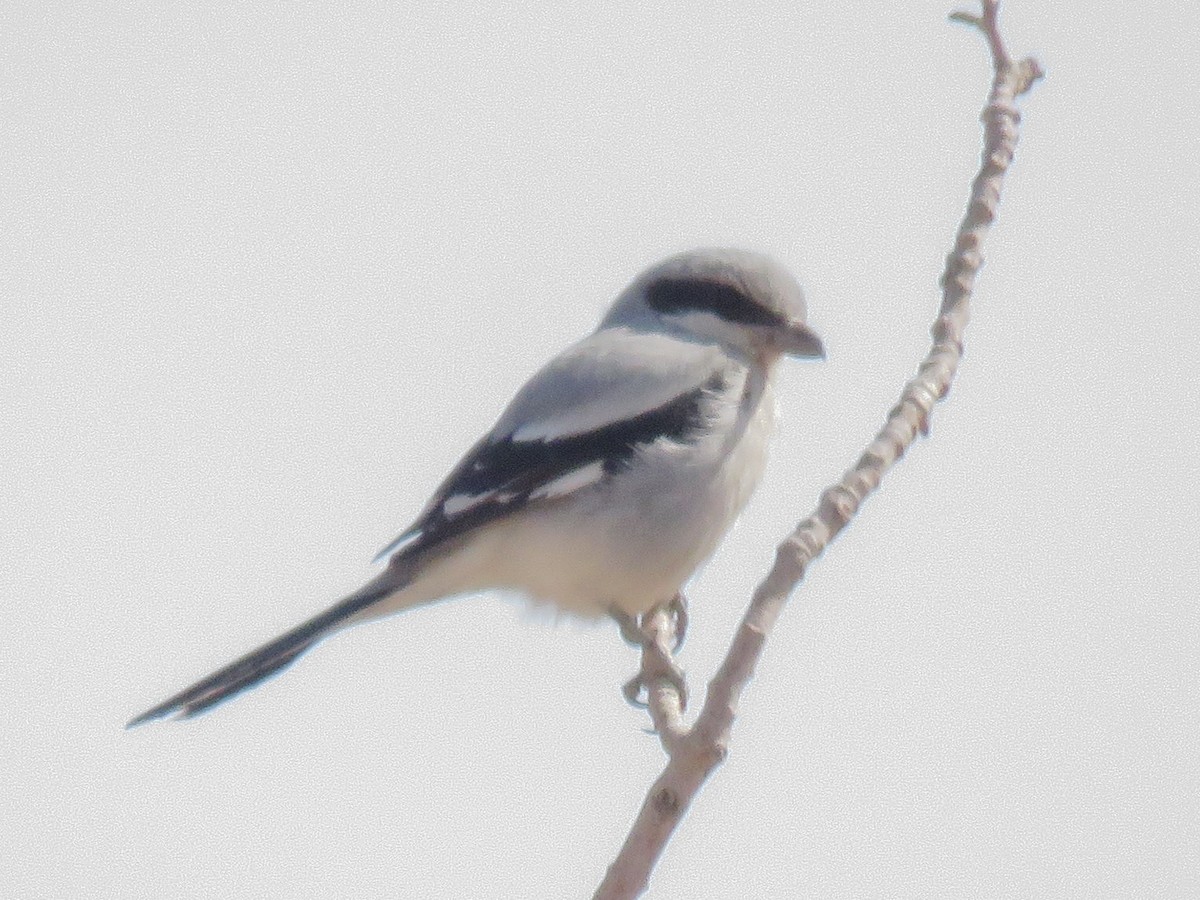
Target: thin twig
696, 751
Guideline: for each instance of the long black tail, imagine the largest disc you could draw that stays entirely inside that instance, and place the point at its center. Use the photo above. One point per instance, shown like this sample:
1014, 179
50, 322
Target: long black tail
267, 659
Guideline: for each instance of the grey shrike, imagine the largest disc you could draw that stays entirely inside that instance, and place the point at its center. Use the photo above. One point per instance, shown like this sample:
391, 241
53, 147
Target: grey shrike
614, 472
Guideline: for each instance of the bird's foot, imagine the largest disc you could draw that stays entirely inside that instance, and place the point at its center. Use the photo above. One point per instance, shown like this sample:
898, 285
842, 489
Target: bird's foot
667, 672
633, 628
652, 632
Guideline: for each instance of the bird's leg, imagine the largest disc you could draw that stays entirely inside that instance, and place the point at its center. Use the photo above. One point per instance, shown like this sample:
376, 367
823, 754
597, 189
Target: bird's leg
656, 632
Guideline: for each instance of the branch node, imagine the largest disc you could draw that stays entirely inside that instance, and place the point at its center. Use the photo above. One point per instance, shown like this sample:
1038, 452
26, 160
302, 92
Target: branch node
982, 211
666, 803
870, 459
838, 505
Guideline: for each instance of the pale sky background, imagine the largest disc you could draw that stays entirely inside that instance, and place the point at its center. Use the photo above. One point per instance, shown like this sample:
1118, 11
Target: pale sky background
268, 269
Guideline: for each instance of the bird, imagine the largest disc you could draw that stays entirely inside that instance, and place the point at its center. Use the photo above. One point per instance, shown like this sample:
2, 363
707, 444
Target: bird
612, 475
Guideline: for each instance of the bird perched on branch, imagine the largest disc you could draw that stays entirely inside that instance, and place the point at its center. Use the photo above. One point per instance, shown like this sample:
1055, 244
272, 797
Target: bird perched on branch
611, 476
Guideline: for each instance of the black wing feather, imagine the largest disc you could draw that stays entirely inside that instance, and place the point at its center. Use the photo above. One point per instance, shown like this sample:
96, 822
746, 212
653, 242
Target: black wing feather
512, 470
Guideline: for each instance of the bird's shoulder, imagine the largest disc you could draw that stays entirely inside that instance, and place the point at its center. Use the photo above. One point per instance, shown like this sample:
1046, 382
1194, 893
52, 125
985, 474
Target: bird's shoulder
612, 375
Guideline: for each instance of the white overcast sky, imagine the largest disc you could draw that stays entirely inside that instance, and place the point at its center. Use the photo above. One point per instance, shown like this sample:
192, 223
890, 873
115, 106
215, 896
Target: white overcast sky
267, 269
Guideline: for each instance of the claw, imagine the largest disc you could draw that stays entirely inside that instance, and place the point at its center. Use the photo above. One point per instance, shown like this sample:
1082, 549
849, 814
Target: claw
632, 689
631, 628
678, 607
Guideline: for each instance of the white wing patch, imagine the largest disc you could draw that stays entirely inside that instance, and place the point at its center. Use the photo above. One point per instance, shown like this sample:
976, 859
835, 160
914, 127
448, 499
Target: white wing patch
462, 502
575, 480
572, 422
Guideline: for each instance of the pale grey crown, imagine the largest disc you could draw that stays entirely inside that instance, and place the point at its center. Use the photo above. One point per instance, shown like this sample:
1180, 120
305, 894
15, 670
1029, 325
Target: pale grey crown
740, 286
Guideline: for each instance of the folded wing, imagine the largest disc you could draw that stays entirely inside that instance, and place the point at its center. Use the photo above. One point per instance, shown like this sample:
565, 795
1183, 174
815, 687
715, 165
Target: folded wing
579, 420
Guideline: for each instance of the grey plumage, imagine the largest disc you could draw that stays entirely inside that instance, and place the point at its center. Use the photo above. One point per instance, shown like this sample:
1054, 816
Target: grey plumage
613, 473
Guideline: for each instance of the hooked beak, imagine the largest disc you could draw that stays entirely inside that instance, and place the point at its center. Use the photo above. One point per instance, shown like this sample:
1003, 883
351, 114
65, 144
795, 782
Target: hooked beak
801, 341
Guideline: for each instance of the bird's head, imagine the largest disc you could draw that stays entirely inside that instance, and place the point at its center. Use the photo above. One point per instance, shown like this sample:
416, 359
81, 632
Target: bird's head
745, 301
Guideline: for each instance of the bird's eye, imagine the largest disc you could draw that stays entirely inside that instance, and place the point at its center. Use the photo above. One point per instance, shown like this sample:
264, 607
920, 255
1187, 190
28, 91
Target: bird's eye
722, 299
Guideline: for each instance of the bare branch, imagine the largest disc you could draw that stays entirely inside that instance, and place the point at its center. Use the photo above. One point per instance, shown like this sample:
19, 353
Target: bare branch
695, 752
